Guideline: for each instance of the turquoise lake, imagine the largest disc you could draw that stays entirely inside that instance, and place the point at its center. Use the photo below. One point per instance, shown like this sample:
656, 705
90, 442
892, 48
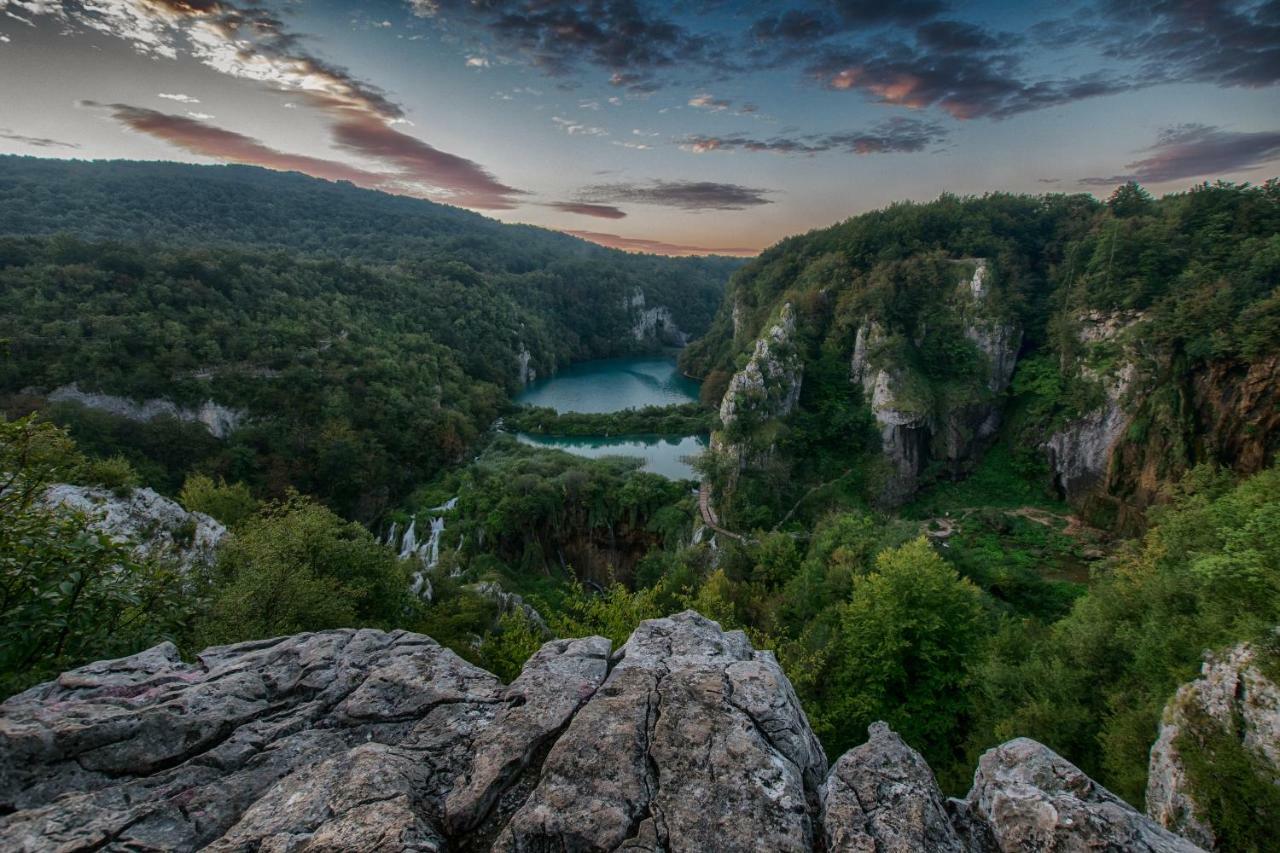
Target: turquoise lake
610, 385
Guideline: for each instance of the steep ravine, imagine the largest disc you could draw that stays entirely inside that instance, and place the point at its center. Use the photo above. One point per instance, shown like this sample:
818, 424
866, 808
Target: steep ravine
685, 738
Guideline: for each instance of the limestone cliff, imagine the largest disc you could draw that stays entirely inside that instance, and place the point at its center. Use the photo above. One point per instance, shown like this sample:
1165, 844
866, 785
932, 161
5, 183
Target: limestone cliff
917, 427
766, 388
1155, 419
1233, 696
653, 324
684, 739
219, 420
150, 522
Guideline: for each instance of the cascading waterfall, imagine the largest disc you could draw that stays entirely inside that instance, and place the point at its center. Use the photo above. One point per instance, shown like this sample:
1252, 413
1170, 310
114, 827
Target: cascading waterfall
428, 552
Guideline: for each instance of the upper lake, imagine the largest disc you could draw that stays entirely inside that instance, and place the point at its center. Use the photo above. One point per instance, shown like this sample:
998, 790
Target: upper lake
611, 385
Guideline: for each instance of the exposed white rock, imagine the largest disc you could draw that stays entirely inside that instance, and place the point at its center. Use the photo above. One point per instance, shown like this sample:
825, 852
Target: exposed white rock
653, 324
1079, 454
155, 525
220, 420
910, 436
769, 384
1232, 693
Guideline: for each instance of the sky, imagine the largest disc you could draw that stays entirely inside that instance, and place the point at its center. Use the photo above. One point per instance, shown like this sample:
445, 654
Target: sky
683, 127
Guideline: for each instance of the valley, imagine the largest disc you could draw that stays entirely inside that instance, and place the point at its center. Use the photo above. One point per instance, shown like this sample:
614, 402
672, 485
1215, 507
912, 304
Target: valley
981, 468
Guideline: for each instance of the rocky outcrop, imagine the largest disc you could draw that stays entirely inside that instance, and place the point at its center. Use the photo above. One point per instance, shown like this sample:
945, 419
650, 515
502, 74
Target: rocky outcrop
913, 431
654, 324
685, 739
1033, 799
151, 523
766, 388
882, 796
1080, 452
219, 420
1232, 695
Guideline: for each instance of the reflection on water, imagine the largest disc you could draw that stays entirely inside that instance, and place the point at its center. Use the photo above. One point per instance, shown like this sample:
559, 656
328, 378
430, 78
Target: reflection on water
661, 455
611, 385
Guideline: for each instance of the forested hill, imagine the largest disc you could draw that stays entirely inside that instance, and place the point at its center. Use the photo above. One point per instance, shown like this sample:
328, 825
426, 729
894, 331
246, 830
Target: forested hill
572, 281
1108, 347
369, 338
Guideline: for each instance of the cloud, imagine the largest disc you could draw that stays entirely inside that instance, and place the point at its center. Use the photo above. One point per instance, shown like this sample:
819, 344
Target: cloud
574, 128
1224, 42
250, 43
600, 211
657, 247
477, 62
894, 135
709, 102
967, 82
35, 141
206, 140
683, 195
1198, 151
633, 42
179, 97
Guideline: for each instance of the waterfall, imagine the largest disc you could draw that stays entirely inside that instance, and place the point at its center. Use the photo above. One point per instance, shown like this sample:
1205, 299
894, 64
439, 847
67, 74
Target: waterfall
698, 533
410, 542
427, 553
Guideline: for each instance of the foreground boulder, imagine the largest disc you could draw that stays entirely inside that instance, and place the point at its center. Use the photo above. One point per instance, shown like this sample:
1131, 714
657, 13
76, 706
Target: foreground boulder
685, 739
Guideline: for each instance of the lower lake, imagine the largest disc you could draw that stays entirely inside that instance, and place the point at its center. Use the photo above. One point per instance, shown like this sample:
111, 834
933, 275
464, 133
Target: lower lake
611, 385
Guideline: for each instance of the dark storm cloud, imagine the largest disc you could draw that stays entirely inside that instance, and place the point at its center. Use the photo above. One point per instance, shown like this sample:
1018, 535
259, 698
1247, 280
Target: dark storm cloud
631, 41
895, 135
962, 37
1195, 151
683, 195
36, 141
600, 211
967, 83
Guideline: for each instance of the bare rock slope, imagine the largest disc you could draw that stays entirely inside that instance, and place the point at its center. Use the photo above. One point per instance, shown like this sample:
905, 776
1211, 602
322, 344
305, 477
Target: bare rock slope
684, 739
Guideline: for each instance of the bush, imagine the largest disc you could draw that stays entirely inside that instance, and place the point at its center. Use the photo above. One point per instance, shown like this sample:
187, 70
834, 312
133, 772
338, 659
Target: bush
229, 503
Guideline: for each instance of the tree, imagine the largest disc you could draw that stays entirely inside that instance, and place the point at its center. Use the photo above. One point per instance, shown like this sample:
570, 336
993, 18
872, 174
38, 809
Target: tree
908, 639
69, 594
230, 503
296, 566
1130, 199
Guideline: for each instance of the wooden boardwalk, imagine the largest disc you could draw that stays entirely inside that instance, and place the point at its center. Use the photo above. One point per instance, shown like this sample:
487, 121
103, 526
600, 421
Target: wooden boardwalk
709, 514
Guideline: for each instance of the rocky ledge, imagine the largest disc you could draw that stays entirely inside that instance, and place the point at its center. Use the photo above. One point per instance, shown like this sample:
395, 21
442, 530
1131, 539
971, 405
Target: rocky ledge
686, 738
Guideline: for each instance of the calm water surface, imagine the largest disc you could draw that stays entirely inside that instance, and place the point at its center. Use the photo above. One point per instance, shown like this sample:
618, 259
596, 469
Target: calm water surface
610, 385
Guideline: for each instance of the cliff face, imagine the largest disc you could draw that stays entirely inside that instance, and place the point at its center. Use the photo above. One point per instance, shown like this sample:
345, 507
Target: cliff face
766, 388
685, 738
155, 525
219, 420
1234, 697
1114, 460
916, 429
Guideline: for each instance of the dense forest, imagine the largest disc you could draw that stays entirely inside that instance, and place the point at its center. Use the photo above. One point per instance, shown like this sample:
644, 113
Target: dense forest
374, 341
369, 338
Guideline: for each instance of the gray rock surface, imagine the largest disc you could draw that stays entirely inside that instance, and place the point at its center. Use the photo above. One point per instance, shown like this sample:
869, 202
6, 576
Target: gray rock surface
1079, 453
767, 387
685, 739
220, 420
882, 796
155, 525
1034, 799
911, 434
1233, 694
